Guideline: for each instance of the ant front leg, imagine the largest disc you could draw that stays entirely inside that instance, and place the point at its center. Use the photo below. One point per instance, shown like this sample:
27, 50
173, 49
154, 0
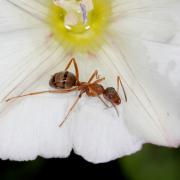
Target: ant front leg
99, 80
75, 67
97, 76
119, 82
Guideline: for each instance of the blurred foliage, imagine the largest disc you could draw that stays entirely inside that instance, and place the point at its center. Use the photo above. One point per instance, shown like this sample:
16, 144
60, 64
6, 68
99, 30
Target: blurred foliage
152, 163
11, 170
56, 168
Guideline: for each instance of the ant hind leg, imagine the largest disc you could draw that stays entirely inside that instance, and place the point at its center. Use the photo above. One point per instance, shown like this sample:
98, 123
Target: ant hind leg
42, 92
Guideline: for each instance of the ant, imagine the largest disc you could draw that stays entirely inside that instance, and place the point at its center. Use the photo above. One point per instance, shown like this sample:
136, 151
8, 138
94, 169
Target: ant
65, 82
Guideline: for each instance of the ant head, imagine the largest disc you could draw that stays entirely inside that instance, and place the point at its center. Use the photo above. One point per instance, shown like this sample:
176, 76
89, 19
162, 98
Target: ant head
111, 95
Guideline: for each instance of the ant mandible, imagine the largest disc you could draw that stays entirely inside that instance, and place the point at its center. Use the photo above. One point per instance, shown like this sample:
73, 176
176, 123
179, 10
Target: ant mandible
65, 82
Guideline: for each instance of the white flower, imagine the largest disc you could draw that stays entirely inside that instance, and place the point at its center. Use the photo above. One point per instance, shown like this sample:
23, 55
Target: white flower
137, 40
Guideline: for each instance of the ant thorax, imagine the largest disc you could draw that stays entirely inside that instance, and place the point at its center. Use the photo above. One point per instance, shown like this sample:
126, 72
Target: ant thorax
94, 90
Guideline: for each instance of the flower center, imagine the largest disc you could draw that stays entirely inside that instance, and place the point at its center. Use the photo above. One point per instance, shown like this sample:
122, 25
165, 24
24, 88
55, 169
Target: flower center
80, 25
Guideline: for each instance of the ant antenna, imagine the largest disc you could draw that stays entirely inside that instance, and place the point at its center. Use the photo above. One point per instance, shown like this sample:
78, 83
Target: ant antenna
120, 82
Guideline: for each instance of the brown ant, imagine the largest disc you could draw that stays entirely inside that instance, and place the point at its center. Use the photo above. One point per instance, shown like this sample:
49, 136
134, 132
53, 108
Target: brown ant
65, 82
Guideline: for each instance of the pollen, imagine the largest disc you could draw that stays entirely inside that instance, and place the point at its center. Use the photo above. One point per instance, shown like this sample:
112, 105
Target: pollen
80, 30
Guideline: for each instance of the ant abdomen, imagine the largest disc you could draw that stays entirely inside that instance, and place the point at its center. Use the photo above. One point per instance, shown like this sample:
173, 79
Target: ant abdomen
111, 95
63, 80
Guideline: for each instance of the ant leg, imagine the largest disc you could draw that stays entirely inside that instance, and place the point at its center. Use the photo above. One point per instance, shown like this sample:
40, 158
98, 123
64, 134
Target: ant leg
43, 92
72, 107
75, 67
99, 80
119, 82
95, 74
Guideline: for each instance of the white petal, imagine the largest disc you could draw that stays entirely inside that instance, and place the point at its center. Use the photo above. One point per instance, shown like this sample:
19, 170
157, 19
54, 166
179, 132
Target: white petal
175, 12
148, 20
19, 45
36, 126
153, 101
27, 53
31, 129
145, 114
35, 9
99, 135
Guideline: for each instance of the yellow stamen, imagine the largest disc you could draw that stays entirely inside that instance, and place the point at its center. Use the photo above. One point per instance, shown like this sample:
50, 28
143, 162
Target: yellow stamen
81, 37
